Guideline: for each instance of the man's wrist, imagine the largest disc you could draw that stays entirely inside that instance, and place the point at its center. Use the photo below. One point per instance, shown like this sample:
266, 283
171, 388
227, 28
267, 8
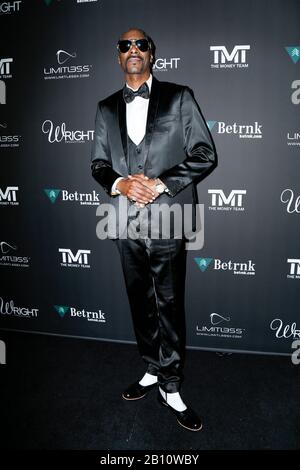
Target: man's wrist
160, 186
114, 190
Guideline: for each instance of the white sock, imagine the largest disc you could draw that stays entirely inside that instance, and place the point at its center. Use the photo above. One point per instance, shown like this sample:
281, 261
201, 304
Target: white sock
174, 400
148, 379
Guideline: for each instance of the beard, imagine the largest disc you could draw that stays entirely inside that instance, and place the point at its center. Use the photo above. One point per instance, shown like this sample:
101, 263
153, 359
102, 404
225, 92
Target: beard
134, 68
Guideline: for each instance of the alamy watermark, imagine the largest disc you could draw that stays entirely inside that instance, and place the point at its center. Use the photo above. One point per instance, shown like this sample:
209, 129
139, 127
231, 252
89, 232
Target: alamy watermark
2, 352
296, 354
125, 219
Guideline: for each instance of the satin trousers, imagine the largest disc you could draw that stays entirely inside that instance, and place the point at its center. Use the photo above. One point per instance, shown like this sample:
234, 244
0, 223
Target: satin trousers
154, 272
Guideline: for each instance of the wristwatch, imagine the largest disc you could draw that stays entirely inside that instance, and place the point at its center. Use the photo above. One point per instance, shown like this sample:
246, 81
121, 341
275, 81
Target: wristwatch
160, 187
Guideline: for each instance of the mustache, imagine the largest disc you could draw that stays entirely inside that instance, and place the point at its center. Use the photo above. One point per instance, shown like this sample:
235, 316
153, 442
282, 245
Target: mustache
134, 57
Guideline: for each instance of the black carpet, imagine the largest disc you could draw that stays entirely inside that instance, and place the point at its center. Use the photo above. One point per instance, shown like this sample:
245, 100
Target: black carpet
64, 393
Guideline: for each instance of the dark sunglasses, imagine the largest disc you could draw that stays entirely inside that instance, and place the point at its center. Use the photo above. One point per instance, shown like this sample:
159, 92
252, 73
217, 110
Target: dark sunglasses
125, 44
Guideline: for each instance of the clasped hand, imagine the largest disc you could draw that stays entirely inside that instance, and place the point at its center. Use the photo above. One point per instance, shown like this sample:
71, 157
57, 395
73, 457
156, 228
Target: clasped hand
138, 188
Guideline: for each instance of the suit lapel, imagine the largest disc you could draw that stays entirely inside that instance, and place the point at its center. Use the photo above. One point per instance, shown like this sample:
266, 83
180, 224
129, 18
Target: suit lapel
122, 121
152, 111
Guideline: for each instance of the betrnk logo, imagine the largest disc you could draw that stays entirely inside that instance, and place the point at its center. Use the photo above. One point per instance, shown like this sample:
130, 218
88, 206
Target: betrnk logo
225, 59
52, 194
293, 52
84, 199
5, 66
234, 200
9, 196
203, 263
61, 310
211, 124
89, 315
78, 259
294, 268
245, 268
243, 131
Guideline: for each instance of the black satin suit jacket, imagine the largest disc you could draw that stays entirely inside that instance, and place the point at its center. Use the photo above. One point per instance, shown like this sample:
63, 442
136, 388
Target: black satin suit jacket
179, 147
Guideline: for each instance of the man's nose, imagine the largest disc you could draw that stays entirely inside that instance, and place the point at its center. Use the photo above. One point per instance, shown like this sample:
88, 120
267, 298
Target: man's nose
133, 49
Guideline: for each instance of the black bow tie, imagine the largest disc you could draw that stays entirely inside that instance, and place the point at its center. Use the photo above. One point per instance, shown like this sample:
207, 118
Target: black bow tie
129, 94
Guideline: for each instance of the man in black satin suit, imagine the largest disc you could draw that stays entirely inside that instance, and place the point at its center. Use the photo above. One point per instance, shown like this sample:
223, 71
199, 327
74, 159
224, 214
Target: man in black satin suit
151, 148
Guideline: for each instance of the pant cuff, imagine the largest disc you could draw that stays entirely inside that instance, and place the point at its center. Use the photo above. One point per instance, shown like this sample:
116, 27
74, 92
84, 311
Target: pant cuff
170, 387
152, 370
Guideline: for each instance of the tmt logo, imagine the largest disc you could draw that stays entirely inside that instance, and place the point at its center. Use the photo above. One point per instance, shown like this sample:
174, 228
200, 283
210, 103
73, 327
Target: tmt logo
5, 67
233, 202
224, 59
80, 259
9, 196
294, 268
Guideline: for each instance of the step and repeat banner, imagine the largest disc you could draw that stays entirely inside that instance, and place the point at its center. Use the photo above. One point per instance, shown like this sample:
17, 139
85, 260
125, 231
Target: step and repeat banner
58, 58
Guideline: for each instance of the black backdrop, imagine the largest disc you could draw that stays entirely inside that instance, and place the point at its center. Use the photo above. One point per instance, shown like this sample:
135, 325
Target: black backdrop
58, 58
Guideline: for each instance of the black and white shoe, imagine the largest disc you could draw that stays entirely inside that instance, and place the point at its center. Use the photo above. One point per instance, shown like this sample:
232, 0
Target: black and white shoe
187, 418
136, 391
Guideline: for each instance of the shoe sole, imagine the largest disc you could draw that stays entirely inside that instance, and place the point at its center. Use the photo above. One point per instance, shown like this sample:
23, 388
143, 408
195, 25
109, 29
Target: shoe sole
189, 429
138, 398
133, 399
